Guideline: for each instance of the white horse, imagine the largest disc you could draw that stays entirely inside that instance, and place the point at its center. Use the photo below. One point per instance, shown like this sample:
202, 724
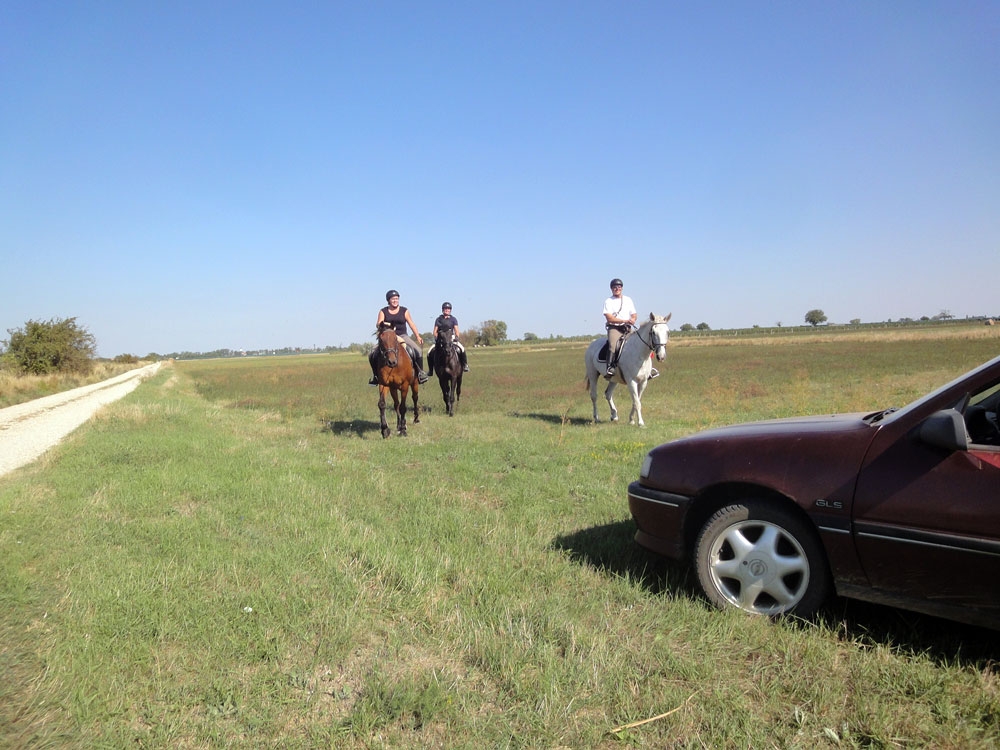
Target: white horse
634, 365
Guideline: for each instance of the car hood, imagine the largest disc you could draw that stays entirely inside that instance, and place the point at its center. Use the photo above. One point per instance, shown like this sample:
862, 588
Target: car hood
823, 424
801, 457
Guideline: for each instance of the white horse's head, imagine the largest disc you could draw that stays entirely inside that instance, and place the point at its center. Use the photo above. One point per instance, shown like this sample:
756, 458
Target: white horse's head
658, 334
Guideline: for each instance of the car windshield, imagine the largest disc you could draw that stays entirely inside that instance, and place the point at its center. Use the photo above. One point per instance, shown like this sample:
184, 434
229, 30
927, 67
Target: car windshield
894, 414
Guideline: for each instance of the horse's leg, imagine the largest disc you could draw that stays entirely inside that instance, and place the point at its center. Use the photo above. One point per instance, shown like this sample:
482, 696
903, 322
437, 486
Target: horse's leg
458, 386
635, 416
456, 378
381, 410
399, 401
611, 402
446, 392
592, 377
415, 390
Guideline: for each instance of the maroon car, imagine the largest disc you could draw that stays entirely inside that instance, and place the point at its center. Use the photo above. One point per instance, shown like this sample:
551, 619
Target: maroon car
900, 507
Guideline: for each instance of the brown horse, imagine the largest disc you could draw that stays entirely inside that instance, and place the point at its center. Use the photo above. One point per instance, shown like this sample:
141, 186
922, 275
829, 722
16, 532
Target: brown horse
396, 375
448, 367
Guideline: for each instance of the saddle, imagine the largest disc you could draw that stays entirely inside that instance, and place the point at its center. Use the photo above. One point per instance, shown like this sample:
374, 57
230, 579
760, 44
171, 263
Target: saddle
602, 356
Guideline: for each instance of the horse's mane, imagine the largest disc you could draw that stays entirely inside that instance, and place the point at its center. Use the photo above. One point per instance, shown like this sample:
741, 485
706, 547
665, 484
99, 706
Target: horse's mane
653, 319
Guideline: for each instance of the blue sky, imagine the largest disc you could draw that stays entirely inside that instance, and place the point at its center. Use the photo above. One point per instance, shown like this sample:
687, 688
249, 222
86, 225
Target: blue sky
204, 175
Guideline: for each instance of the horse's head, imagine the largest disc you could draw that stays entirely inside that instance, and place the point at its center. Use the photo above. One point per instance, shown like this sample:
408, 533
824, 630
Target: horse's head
388, 343
445, 337
658, 334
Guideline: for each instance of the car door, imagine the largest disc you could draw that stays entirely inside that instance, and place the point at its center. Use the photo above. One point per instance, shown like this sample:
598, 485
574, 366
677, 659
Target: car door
927, 523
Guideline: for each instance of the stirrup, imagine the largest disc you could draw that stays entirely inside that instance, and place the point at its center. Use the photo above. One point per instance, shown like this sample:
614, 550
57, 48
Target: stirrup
653, 373
373, 381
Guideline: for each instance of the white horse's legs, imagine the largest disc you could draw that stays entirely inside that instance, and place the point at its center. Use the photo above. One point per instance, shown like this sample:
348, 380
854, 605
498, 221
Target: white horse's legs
592, 377
607, 394
635, 390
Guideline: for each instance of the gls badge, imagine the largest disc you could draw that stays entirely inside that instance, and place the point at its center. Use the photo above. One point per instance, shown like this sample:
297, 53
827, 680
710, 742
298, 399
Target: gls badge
830, 504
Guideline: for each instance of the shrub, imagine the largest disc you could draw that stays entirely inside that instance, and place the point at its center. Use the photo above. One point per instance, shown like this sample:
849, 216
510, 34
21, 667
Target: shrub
41, 348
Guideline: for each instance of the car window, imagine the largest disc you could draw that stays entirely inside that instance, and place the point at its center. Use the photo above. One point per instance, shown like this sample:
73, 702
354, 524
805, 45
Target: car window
986, 396
982, 416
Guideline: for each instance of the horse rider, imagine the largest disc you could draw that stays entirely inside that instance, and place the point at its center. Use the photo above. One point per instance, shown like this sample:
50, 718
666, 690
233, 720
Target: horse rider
619, 317
445, 321
399, 317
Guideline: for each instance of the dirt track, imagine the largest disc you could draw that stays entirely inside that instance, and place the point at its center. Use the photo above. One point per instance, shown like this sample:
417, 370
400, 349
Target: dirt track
28, 430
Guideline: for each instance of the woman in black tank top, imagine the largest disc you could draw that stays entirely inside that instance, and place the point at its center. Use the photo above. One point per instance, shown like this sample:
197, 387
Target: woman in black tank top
400, 317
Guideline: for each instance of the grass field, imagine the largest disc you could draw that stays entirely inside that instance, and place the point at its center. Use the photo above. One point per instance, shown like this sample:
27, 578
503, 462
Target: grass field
233, 556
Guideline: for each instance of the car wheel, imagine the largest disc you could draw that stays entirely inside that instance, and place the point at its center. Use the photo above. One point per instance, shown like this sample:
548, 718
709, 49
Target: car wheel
761, 559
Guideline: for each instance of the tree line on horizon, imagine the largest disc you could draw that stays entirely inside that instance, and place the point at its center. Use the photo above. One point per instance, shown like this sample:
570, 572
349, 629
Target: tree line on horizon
64, 346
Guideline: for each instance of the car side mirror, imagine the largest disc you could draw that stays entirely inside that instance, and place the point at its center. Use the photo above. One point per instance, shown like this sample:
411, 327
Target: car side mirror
945, 429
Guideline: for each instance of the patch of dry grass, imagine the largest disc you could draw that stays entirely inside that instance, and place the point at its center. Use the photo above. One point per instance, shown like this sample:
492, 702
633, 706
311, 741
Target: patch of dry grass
16, 389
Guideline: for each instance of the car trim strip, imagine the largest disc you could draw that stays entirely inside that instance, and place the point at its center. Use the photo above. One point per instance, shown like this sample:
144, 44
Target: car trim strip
929, 539
834, 530
645, 494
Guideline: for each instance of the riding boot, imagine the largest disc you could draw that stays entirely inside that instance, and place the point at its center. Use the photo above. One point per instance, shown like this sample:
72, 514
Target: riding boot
421, 375
374, 378
612, 366
464, 359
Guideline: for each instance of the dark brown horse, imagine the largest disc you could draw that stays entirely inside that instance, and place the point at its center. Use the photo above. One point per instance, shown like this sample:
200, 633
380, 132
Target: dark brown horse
396, 375
448, 367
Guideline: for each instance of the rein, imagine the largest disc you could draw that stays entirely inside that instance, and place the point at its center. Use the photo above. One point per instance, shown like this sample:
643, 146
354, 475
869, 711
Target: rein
385, 351
649, 344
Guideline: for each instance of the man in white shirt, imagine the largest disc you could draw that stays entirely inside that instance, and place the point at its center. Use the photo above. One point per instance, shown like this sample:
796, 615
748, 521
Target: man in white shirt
619, 316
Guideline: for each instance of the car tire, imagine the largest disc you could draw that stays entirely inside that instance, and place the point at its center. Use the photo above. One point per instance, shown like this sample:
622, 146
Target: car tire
762, 559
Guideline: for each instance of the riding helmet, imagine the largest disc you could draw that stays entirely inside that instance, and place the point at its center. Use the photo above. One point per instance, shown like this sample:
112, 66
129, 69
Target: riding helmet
390, 294
446, 306
616, 282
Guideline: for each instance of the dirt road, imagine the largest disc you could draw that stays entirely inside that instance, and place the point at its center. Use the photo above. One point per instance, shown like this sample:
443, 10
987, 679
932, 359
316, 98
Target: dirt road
28, 430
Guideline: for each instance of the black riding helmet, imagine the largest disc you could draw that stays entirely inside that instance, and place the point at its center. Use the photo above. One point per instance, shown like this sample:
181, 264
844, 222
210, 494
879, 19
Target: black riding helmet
390, 294
616, 282
446, 306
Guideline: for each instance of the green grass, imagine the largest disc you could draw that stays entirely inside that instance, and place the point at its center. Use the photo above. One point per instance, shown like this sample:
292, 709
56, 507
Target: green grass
233, 556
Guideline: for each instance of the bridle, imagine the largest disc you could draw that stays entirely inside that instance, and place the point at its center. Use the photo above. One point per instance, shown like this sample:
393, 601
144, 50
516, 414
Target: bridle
654, 342
446, 338
385, 351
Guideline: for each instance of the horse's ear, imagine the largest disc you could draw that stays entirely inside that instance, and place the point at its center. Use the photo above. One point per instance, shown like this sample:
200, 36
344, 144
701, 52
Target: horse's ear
652, 317
669, 316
